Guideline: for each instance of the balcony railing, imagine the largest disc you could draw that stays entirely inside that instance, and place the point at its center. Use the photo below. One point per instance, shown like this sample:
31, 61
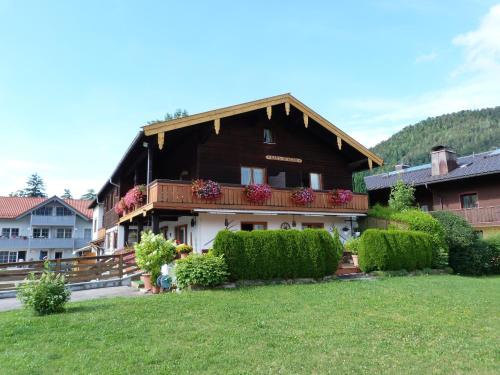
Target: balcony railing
53, 220
14, 243
22, 243
481, 216
178, 195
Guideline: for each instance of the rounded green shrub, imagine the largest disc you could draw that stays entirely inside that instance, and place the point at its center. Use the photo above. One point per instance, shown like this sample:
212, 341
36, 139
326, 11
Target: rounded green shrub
270, 254
201, 270
385, 250
46, 295
418, 220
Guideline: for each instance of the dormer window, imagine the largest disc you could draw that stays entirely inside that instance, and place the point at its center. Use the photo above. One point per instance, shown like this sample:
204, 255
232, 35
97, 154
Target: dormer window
268, 136
63, 211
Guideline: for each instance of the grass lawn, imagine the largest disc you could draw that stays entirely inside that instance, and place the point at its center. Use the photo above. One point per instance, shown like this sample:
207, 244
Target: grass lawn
425, 324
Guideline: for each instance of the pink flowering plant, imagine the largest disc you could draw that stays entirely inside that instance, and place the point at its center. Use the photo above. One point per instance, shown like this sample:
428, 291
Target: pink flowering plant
206, 189
135, 197
339, 197
120, 207
303, 196
258, 192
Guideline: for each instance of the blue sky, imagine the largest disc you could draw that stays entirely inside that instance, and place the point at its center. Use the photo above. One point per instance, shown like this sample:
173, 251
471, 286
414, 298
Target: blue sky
78, 78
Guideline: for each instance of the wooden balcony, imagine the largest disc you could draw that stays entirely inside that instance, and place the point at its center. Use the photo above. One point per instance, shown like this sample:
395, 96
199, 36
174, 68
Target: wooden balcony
481, 216
177, 195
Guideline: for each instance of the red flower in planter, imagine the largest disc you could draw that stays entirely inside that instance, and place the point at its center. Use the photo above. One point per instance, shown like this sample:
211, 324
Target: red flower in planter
120, 207
258, 192
206, 189
303, 196
135, 196
340, 196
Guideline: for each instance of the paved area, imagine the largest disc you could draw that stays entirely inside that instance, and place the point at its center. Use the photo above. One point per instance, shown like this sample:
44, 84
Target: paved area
81, 295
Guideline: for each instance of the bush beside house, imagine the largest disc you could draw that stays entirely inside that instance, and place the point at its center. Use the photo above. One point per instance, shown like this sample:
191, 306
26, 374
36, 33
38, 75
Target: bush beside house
201, 270
283, 254
385, 250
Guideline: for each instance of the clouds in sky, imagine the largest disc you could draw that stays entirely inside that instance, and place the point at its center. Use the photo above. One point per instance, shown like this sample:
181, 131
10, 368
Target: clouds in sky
473, 84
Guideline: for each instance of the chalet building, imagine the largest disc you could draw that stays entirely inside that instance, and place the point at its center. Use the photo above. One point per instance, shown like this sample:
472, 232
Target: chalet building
40, 228
468, 186
277, 141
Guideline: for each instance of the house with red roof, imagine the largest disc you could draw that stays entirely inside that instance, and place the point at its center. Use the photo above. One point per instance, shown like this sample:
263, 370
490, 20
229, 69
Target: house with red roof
43, 228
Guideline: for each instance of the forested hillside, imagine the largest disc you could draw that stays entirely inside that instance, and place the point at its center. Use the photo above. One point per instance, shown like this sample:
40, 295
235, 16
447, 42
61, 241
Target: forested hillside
465, 132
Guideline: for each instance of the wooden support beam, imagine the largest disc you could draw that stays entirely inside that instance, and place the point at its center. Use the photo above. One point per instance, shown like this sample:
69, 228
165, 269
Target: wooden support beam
217, 125
269, 111
339, 142
161, 140
287, 108
306, 120
370, 164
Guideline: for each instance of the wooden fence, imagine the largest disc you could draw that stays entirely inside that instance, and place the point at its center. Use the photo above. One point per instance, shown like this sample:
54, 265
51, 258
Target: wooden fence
74, 269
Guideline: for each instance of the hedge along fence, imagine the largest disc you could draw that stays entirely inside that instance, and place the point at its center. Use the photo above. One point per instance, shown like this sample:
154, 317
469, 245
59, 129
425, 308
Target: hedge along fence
386, 250
271, 254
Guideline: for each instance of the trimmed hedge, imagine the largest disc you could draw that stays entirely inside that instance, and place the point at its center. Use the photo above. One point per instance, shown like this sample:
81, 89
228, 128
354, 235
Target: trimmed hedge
418, 220
385, 250
271, 254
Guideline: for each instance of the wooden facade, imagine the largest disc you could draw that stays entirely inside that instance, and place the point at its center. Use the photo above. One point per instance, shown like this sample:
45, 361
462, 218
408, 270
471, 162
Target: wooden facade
168, 156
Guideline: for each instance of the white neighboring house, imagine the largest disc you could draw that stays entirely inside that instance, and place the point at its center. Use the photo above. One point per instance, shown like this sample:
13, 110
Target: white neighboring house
39, 228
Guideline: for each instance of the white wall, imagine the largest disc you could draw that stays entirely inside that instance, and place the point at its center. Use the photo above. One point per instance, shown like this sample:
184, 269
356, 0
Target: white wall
209, 224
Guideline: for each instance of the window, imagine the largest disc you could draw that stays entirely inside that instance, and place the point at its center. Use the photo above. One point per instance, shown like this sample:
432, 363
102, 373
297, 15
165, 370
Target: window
315, 181
8, 256
469, 200
43, 254
313, 225
181, 233
43, 211
63, 211
58, 254
64, 232
249, 226
14, 232
5, 233
87, 234
40, 232
253, 175
268, 136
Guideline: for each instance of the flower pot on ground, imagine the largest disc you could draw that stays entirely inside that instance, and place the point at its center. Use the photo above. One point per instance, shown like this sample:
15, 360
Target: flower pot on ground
146, 279
355, 260
155, 289
352, 246
152, 252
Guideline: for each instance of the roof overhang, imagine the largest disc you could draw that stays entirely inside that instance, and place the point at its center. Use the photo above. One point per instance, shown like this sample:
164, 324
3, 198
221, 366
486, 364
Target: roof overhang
287, 100
295, 213
54, 198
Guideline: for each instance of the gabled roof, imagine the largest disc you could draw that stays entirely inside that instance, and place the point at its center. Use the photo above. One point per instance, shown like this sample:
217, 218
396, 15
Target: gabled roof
485, 163
288, 100
15, 207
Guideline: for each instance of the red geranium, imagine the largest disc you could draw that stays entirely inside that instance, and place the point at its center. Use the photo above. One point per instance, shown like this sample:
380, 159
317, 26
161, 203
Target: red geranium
258, 192
206, 189
340, 196
303, 196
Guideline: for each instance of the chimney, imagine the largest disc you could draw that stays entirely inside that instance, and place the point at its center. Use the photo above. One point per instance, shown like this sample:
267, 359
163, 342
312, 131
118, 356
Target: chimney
443, 160
401, 167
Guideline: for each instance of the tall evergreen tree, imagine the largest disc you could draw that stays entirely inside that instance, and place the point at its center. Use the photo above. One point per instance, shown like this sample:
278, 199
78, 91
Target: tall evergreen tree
89, 195
66, 194
35, 187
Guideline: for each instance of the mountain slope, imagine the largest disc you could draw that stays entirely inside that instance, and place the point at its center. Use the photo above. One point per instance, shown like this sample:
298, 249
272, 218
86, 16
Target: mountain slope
465, 132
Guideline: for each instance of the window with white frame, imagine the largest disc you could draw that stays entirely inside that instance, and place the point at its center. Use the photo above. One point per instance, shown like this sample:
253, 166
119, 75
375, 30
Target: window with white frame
315, 181
64, 232
63, 211
5, 233
40, 232
43, 211
8, 256
14, 232
251, 175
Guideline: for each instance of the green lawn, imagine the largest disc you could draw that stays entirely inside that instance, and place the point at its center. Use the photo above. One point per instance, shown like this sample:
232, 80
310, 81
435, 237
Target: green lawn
425, 324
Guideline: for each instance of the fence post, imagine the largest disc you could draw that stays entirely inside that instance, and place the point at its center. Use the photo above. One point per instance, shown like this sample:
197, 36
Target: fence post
120, 266
99, 272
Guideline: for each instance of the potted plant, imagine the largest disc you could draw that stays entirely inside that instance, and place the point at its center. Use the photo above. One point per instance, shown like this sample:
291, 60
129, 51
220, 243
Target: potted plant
258, 192
206, 189
184, 249
120, 207
135, 197
152, 252
352, 246
339, 197
303, 196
